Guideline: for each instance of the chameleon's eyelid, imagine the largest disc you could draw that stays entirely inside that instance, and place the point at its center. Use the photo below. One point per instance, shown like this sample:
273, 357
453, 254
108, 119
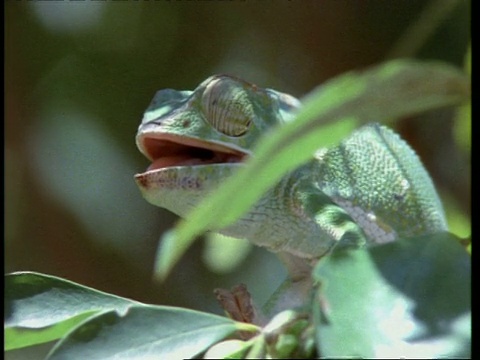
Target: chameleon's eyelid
227, 107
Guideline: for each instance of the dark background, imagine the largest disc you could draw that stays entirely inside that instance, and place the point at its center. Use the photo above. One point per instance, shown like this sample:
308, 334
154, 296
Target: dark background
79, 74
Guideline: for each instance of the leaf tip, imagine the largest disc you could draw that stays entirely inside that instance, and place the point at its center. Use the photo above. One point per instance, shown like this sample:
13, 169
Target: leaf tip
166, 256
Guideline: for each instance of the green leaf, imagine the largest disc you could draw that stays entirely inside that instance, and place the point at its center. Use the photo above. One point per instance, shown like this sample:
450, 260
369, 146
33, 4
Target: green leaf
222, 254
409, 298
16, 337
396, 89
462, 130
144, 332
34, 302
228, 349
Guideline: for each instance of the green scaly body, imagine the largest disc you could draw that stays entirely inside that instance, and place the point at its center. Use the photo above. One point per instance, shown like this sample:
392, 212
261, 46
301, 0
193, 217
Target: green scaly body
371, 188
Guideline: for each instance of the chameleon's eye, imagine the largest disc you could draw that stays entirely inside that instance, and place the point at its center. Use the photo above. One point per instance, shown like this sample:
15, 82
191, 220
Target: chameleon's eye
227, 107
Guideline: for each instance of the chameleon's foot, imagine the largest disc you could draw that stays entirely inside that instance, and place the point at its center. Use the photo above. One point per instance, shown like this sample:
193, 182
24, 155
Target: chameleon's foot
237, 303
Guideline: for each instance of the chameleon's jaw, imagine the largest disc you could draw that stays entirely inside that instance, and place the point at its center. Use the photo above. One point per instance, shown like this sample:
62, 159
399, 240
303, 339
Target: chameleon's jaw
167, 151
183, 167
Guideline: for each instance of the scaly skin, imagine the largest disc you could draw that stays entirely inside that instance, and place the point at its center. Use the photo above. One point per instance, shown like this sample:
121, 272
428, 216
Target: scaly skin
371, 188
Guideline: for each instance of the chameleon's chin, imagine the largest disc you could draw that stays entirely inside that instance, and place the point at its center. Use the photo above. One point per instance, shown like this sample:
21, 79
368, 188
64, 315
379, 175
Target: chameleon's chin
179, 188
169, 178
193, 178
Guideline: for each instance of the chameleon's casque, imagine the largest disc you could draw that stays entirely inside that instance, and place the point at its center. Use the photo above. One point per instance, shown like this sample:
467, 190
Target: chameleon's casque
371, 188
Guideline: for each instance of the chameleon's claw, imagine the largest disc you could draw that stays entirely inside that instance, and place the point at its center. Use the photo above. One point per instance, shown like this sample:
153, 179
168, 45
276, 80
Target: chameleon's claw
238, 305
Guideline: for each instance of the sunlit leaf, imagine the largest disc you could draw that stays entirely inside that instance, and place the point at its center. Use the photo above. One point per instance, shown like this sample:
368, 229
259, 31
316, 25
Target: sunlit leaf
34, 302
17, 337
96, 325
144, 332
229, 349
410, 298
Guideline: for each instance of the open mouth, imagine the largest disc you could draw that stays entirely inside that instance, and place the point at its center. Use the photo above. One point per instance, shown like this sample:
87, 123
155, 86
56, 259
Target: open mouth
166, 150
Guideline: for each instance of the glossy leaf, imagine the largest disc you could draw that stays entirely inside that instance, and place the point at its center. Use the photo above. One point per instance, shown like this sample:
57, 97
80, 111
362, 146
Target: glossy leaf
383, 93
228, 349
95, 325
409, 298
144, 332
35, 302
18, 337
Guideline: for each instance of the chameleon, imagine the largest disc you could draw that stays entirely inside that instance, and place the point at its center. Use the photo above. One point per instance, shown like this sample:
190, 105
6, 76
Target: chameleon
369, 189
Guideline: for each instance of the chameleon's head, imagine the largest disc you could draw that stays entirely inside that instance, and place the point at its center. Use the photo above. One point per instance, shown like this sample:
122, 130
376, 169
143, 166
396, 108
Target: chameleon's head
195, 139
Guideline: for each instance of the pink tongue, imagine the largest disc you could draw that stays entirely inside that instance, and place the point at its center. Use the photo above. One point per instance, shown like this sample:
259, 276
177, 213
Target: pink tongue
168, 161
